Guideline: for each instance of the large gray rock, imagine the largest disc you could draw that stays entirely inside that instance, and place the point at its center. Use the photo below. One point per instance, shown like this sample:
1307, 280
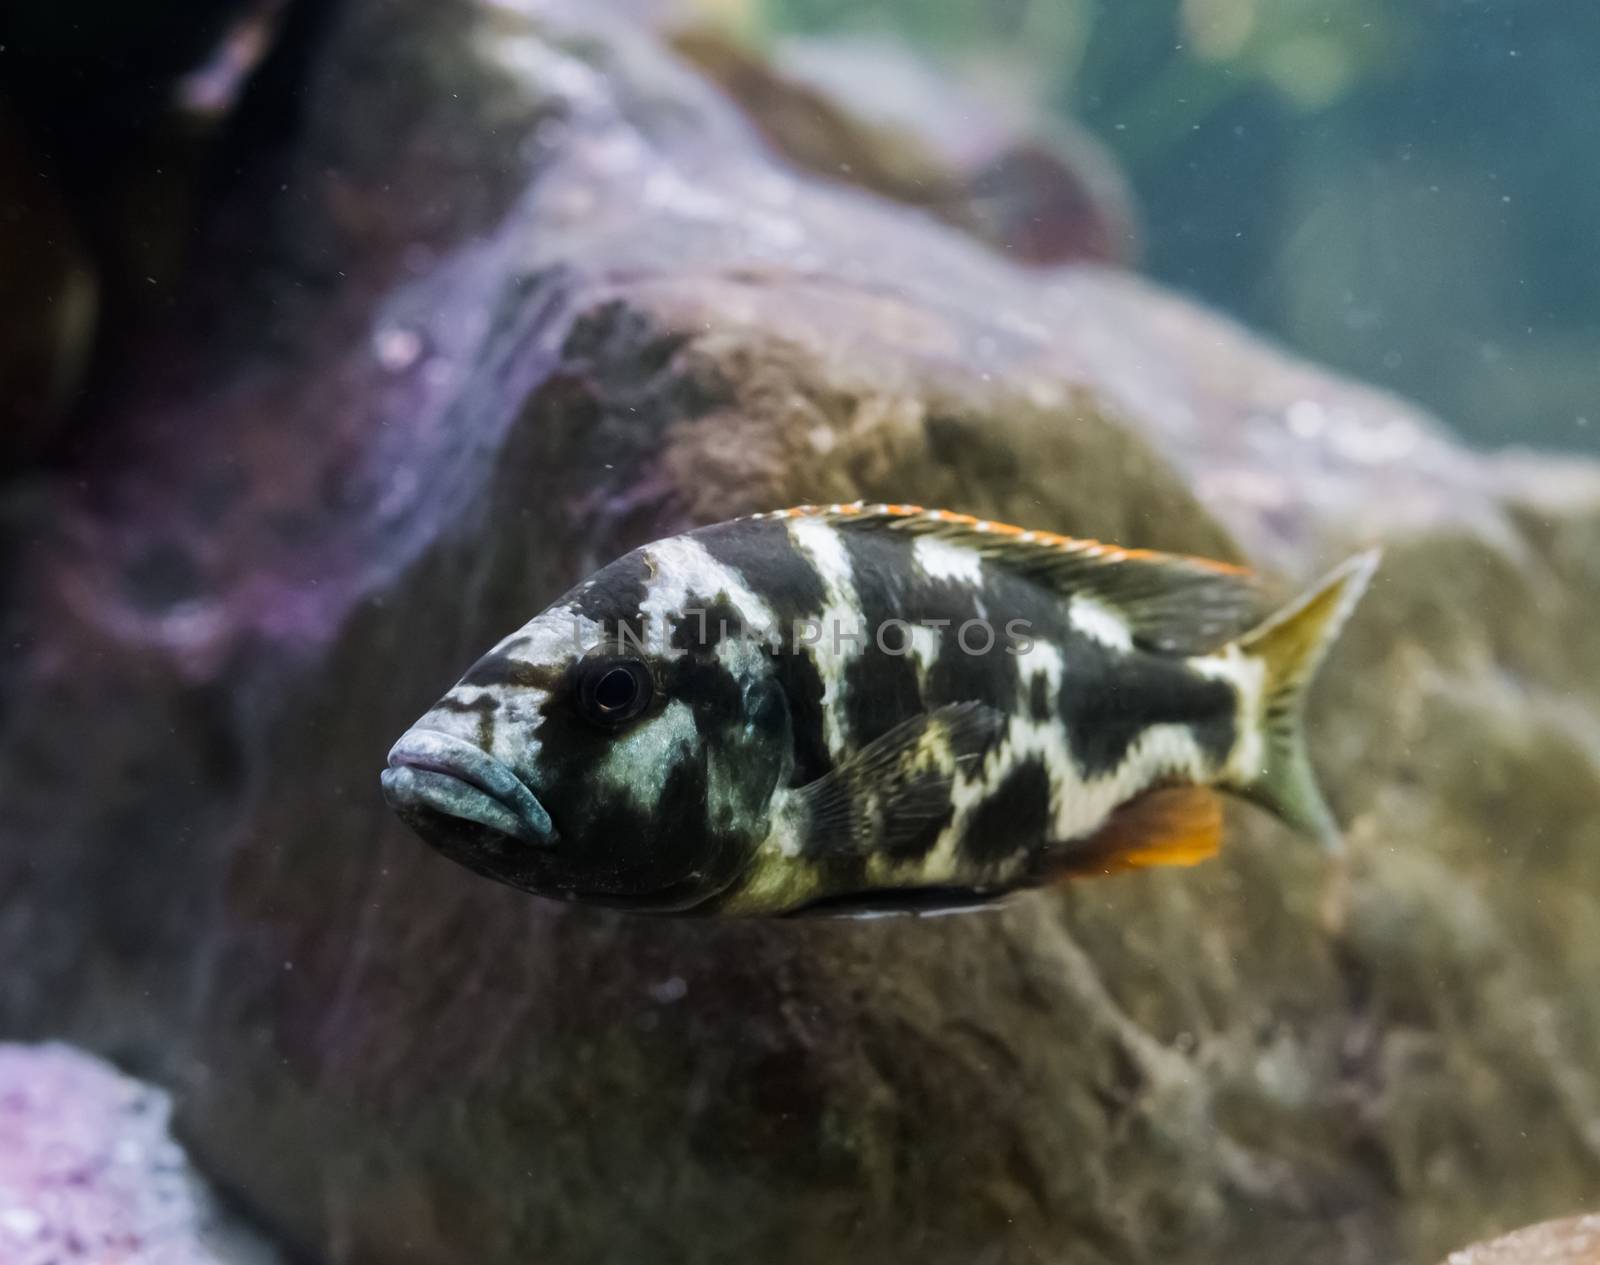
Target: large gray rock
870, 113
531, 293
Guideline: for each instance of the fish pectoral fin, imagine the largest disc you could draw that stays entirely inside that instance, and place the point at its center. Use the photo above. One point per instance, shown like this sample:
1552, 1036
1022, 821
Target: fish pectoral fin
897, 788
1178, 825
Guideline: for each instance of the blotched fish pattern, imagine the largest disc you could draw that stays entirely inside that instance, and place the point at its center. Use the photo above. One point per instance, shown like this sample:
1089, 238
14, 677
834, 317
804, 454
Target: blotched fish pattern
860, 708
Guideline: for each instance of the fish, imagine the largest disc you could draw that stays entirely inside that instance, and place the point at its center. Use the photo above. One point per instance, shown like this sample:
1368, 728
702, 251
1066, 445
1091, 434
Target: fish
867, 709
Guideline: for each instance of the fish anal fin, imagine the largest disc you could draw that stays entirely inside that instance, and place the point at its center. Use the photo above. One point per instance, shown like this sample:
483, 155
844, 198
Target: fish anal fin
1178, 825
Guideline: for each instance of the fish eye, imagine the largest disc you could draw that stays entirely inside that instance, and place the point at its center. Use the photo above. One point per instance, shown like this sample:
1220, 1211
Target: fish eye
612, 691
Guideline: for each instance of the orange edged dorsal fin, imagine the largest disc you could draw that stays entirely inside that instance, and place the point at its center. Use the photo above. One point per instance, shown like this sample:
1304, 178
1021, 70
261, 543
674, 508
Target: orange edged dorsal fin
1177, 825
1173, 603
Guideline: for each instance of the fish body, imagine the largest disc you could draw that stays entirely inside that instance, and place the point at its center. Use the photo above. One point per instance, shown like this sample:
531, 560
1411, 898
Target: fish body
857, 708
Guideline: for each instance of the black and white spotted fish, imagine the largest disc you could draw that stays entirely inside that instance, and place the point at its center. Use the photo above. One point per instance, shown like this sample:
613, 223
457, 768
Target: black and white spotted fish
870, 707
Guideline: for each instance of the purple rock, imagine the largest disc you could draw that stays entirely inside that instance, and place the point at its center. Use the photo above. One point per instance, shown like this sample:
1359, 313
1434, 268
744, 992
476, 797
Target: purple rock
89, 1171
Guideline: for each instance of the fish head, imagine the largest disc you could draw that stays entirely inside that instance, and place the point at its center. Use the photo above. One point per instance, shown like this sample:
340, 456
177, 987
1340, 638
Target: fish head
604, 752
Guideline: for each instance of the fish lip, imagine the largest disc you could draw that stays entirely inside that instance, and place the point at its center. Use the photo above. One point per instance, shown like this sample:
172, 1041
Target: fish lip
436, 770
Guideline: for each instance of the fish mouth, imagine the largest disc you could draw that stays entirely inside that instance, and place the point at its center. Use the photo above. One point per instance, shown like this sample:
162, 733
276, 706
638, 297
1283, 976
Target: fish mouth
434, 771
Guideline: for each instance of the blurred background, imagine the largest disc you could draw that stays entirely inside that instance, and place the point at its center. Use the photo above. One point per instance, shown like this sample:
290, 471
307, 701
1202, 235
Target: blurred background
1404, 189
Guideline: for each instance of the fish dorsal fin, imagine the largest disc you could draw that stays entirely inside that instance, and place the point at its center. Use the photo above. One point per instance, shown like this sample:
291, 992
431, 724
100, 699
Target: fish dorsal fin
896, 791
1175, 825
1172, 603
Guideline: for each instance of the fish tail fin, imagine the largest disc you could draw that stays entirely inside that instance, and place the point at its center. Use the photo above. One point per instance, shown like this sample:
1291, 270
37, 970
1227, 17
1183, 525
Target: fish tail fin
1291, 646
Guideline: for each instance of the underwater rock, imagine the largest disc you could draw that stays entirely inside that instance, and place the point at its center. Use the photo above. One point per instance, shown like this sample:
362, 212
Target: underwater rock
870, 113
533, 291
89, 1173
1575, 1241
